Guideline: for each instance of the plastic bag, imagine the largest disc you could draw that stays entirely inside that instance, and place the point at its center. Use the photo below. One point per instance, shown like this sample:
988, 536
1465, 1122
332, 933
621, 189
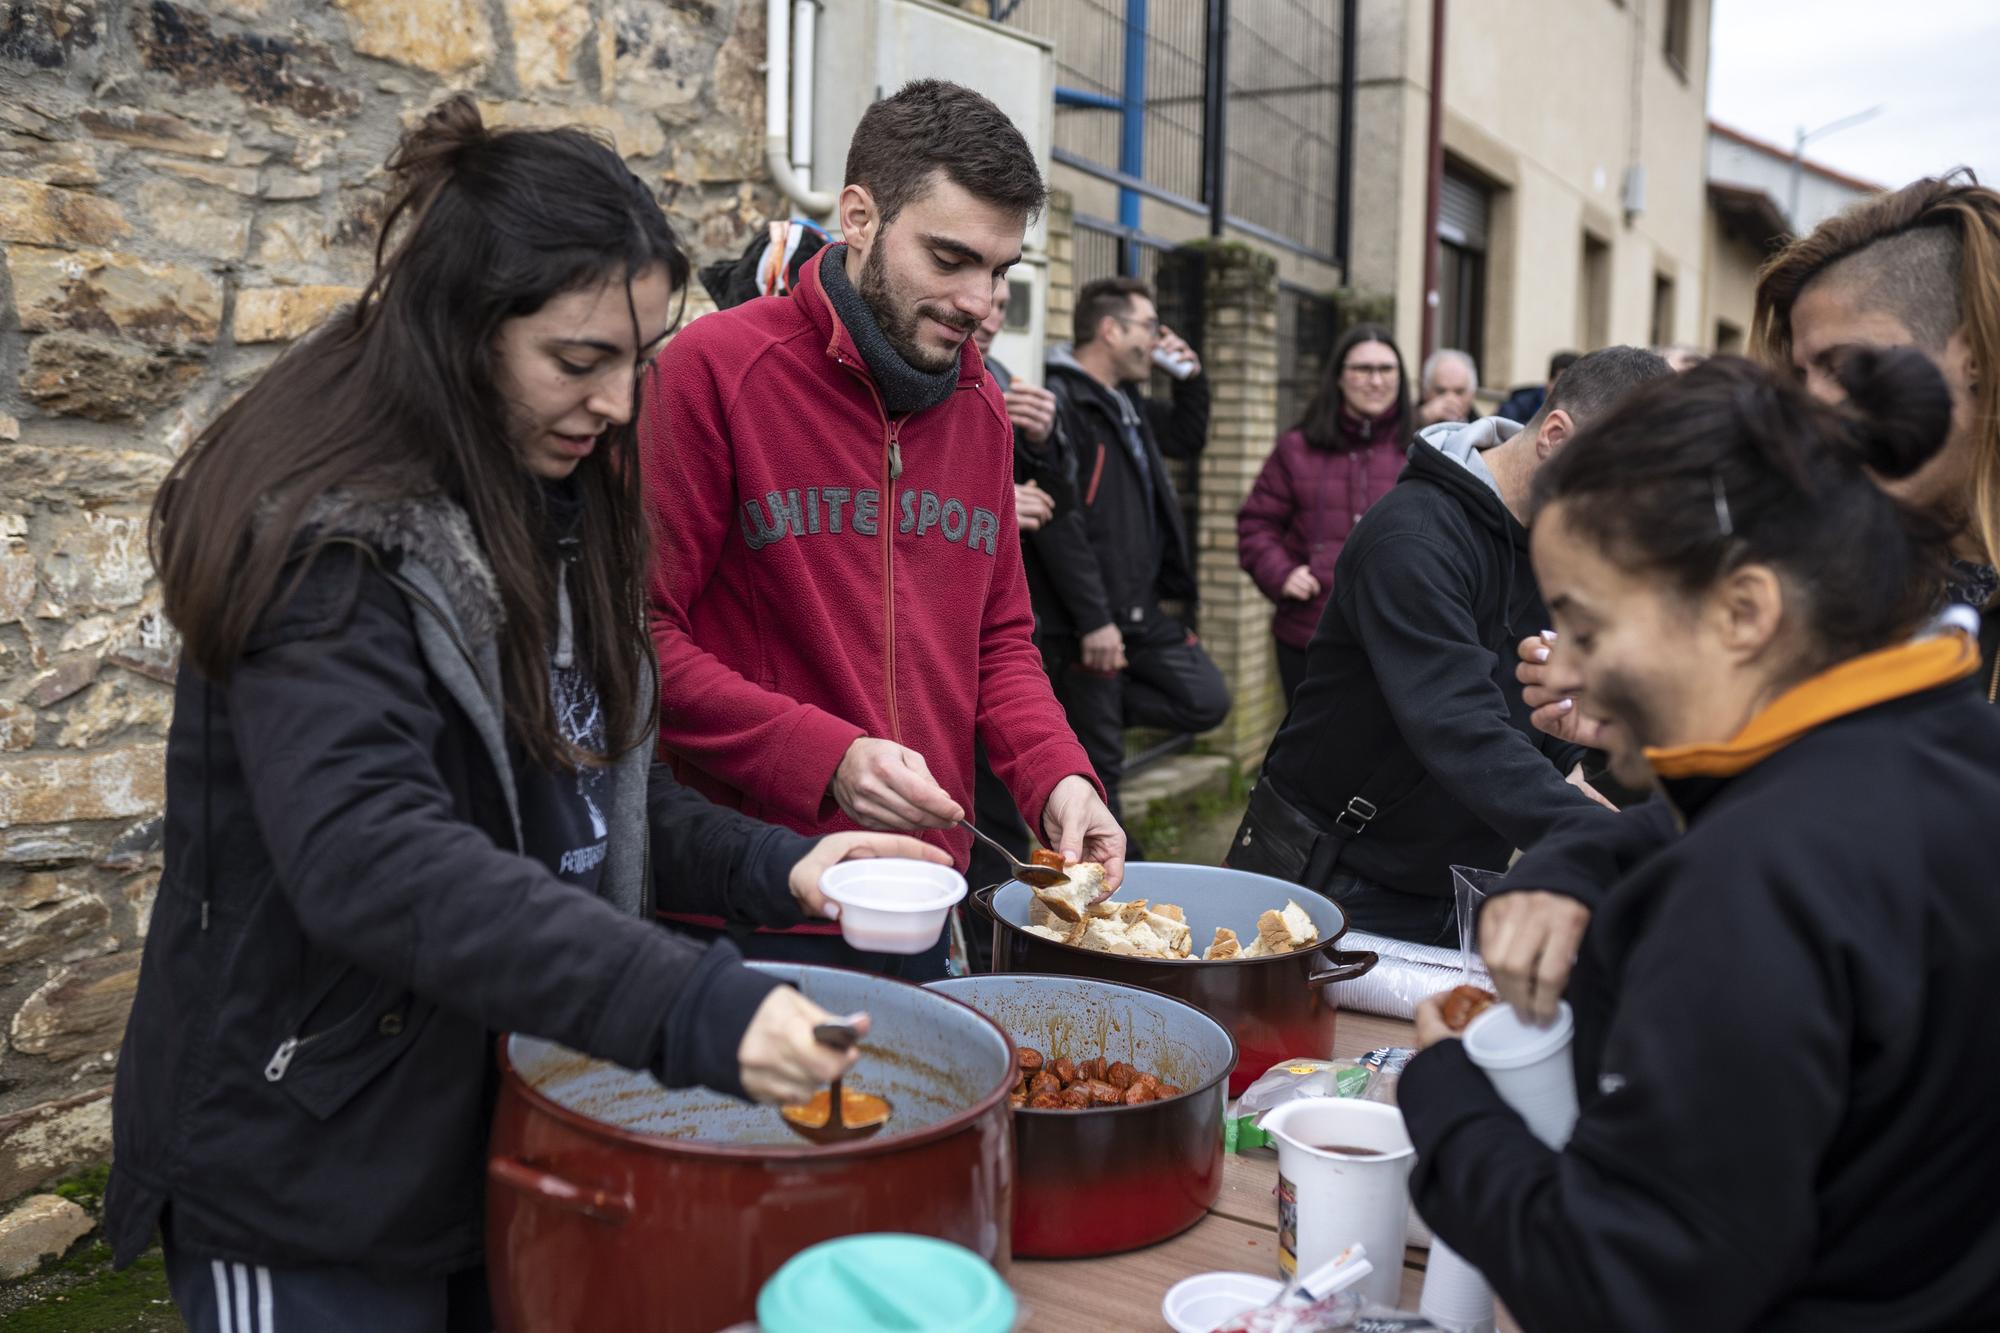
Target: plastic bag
1371, 1077
1472, 888
1385, 1069
1283, 1083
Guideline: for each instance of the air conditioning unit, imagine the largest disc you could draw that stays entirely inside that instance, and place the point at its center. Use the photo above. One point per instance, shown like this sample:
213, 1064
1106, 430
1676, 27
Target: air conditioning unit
864, 50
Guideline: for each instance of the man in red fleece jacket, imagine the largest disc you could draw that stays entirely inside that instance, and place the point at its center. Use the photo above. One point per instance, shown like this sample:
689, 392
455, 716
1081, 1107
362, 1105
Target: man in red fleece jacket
839, 600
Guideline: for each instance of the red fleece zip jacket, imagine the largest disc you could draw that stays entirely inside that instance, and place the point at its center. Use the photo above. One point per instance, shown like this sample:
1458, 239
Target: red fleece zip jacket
825, 573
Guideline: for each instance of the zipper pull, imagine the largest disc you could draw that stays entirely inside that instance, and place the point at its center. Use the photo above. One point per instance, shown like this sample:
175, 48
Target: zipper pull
895, 458
281, 1060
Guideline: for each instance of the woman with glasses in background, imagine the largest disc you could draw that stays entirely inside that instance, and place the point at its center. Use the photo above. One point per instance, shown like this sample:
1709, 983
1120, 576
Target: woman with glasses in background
1342, 456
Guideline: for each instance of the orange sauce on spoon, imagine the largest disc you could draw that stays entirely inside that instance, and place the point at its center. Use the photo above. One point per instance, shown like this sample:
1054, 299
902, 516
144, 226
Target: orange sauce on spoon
858, 1110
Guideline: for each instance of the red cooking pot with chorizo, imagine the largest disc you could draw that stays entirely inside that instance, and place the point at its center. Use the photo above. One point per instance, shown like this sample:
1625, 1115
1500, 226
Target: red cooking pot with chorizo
614, 1204
1110, 1178
1276, 1008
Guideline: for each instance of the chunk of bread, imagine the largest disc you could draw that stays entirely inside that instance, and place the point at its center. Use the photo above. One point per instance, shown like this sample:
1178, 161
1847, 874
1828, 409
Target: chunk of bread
1062, 932
1109, 937
1284, 930
1158, 936
1083, 885
1226, 945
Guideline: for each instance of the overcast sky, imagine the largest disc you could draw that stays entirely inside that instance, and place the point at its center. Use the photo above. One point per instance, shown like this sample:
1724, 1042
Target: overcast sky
1933, 65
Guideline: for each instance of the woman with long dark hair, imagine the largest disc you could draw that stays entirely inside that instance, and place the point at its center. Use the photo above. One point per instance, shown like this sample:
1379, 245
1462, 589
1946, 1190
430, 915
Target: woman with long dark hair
1342, 456
408, 789
1783, 1062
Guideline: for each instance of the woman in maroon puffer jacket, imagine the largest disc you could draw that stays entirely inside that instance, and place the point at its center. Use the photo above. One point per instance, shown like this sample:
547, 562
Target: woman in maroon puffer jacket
1342, 457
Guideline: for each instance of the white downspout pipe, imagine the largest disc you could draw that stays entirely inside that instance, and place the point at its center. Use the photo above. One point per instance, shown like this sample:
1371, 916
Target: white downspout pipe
784, 122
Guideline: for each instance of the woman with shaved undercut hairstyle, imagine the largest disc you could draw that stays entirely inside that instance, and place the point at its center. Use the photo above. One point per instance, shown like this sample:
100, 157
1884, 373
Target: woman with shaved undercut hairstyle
1919, 267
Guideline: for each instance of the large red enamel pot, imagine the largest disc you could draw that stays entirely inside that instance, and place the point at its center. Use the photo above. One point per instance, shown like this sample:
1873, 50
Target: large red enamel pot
1276, 1008
1112, 1178
614, 1204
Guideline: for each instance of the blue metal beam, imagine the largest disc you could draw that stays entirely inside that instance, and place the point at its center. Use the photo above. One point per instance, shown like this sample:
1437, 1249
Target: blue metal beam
1083, 97
1132, 139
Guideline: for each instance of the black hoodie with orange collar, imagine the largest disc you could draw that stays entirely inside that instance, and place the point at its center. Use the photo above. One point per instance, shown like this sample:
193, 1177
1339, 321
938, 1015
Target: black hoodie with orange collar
1786, 1057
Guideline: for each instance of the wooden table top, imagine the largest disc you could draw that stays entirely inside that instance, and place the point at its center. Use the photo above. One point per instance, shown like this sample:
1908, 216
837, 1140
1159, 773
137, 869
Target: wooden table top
1240, 1234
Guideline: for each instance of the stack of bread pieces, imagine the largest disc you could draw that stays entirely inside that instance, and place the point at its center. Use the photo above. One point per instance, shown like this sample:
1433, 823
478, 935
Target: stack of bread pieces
1080, 912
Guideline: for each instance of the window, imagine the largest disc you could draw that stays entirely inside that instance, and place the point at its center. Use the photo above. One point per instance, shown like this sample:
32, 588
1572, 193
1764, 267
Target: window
1663, 310
1728, 338
1462, 230
1678, 36
1020, 305
1593, 295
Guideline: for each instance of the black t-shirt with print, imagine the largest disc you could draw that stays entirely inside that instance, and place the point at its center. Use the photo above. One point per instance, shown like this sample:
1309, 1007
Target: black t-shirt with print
563, 814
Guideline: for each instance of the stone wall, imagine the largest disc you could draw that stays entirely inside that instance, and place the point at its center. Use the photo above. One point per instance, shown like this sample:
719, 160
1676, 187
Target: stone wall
183, 189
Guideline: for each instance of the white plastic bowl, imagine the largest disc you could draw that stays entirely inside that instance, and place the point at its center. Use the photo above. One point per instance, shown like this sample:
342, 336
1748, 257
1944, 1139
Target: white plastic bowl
891, 904
1197, 1304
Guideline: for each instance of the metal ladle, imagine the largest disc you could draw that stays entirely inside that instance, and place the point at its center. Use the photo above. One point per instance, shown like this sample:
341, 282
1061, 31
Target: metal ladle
836, 1035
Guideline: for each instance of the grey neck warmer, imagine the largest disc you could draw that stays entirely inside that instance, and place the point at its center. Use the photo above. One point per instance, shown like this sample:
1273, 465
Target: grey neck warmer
904, 388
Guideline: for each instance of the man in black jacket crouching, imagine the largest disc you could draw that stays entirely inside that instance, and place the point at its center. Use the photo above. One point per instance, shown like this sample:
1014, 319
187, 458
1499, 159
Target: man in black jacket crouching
1408, 749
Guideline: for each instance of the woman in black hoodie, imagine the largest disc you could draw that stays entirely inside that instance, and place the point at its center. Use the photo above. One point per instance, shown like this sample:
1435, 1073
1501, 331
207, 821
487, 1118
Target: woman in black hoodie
408, 800
1786, 1067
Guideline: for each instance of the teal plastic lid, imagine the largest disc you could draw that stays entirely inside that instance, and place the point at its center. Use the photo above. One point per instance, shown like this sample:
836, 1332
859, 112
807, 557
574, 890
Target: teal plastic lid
886, 1283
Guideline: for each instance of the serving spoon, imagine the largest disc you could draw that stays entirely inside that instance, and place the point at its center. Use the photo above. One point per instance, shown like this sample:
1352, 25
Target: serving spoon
837, 1127
1034, 876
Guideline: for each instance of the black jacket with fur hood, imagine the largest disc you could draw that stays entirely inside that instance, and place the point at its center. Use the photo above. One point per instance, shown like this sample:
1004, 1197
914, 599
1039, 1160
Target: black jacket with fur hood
345, 921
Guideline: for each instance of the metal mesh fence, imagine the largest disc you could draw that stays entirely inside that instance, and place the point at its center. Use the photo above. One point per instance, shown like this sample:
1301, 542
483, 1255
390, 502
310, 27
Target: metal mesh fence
1282, 118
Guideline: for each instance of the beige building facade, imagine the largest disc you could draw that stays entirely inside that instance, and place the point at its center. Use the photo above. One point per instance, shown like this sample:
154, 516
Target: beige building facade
1754, 191
1573, 139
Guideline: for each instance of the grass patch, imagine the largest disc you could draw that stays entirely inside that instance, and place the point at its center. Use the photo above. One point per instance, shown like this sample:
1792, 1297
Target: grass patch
1169, 826
85, 1189
81, 1294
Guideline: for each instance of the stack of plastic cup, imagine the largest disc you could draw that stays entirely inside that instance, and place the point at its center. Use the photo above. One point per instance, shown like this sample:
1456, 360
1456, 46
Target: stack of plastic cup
1456, 1297
1530, 1068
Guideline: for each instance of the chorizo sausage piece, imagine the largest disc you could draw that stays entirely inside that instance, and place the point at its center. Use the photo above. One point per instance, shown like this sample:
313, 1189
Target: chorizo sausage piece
1138, 1094
1103, 1094
1045, 1101
1464, 1004
1028, 1059
1167, 1090
1120, 1075
1044, 1082
1075, 1097
1065, 1069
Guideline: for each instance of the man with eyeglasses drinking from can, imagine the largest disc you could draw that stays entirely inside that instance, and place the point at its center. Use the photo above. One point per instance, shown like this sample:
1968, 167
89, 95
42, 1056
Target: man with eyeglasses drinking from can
1115, 657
